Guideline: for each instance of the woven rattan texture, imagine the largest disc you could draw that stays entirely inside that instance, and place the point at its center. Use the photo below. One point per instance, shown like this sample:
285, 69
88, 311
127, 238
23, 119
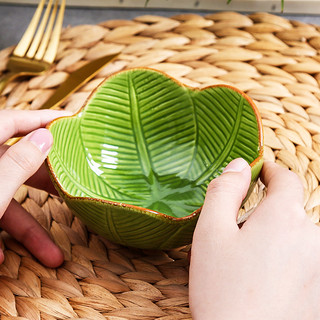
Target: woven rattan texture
275, 61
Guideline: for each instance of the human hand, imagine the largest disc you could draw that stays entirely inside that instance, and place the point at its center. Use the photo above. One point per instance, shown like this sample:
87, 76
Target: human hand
268, 269
20, 163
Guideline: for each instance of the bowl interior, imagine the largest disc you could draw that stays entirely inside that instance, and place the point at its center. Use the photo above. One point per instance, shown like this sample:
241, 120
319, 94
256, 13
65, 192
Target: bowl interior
146, 140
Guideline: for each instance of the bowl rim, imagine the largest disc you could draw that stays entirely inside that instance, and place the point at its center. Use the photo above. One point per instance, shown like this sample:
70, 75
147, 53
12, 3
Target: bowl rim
147, 211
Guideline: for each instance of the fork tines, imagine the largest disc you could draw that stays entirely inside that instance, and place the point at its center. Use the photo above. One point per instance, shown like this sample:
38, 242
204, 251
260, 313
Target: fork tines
40, 40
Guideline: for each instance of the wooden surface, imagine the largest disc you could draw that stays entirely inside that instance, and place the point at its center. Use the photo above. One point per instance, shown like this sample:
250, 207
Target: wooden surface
274, 60
291, 6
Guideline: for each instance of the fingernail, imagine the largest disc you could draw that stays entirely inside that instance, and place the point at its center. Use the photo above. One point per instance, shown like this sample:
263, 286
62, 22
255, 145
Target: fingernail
65, 113
236, 165
42, 139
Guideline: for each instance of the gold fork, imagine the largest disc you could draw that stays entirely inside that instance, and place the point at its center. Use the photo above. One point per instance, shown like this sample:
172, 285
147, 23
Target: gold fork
37, 48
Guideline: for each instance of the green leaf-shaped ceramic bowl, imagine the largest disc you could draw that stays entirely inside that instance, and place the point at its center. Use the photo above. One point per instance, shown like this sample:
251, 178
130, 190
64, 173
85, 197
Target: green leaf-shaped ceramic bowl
134, 163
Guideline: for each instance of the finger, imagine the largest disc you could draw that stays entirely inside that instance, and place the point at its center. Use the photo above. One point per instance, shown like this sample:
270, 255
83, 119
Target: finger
284, 199
3, 149
40, 180
282, 184
21, 122
25, 229
223, 200
20, 162
1, 256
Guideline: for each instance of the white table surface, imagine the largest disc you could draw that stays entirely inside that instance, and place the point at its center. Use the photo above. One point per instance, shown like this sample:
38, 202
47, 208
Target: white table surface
15, 18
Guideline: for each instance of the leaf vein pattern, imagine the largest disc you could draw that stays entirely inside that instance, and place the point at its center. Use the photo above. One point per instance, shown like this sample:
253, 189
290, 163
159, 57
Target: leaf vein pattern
228, 147
143, 152
107, 191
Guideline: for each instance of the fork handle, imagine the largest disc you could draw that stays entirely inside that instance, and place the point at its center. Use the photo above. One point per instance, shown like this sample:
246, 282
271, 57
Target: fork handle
6, 78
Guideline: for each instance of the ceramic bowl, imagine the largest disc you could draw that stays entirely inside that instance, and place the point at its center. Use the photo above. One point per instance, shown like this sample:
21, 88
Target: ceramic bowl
134, 163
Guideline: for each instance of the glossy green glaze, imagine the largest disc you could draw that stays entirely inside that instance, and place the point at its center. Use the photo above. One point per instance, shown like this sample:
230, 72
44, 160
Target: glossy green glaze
135, 162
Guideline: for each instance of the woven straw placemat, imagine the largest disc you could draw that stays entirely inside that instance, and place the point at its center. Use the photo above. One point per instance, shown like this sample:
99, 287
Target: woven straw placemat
274, 60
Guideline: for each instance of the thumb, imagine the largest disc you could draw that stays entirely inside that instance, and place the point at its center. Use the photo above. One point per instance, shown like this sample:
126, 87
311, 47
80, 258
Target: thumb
20, 162
223, 200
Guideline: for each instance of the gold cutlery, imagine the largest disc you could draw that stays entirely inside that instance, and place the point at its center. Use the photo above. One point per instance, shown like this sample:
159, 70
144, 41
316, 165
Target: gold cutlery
37, 48
75, 80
